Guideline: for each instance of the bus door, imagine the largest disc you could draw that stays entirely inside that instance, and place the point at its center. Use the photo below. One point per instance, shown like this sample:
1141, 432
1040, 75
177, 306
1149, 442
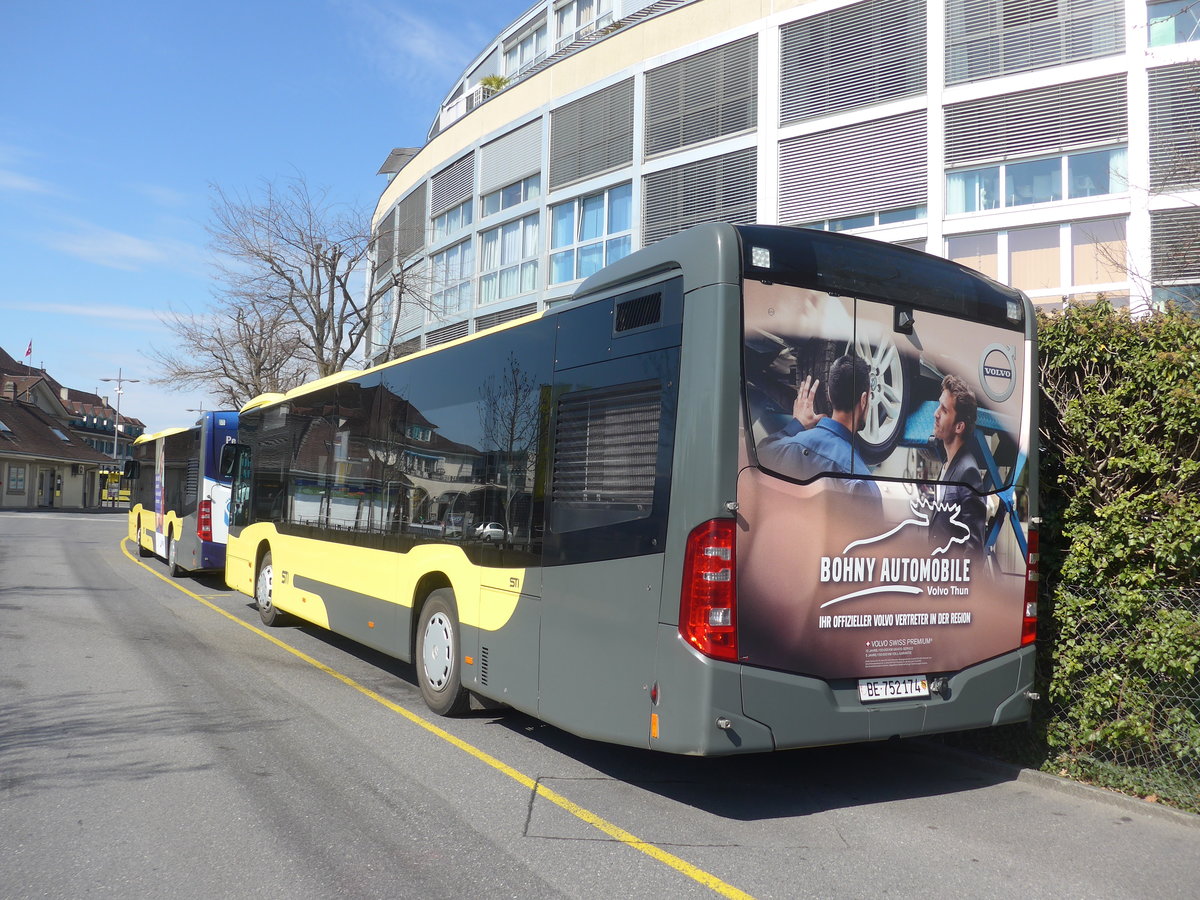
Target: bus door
612, 432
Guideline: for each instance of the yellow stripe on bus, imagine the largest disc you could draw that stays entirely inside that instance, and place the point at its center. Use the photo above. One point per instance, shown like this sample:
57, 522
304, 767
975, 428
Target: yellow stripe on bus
614, 831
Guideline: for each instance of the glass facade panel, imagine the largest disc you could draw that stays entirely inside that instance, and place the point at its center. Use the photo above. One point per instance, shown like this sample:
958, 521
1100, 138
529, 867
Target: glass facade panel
973, 191
1098, 252
1174, 22
1098, 172
1033, 258
508, 264
1039, 181
977, 251
594, 224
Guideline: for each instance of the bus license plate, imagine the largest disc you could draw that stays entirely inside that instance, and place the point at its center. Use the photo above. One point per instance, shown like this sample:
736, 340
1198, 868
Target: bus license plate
871, 690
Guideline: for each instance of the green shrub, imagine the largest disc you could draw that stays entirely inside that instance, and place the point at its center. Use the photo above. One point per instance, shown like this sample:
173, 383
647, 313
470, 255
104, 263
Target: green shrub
1119, 618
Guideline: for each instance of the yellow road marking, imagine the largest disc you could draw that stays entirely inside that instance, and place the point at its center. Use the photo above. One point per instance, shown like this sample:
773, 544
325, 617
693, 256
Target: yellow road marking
614, 831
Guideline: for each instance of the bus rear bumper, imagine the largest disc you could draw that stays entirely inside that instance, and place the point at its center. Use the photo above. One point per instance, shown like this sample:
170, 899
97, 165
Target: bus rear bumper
742, 709
805, 712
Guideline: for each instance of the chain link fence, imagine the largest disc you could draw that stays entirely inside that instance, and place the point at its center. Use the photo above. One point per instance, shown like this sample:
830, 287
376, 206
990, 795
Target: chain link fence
1119, 678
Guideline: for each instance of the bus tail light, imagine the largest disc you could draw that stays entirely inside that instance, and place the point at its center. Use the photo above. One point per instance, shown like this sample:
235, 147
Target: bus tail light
1029, 622
708, 604
204, 521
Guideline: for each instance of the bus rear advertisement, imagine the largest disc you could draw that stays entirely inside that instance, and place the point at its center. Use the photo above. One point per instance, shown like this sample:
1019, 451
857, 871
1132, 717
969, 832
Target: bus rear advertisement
179, 500
752, 488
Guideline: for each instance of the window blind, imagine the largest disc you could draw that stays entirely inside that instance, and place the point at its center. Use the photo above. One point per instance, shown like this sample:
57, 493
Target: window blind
452, 185
1175, 126
411, 222
385, 242
511, 157
862, 168
853, 56
1174, 245
702, 97
720, 189
592, 134
986, 38
1042, 120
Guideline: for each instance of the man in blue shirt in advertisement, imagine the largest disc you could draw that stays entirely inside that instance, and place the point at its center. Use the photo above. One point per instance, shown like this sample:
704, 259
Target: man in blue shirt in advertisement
813, 444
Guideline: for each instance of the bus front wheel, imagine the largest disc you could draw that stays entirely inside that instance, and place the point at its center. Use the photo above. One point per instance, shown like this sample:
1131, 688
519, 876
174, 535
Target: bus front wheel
142, 551
263, 589
439, 672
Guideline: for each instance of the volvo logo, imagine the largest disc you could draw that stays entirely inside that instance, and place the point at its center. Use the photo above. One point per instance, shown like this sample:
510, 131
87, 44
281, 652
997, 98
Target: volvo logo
996, 375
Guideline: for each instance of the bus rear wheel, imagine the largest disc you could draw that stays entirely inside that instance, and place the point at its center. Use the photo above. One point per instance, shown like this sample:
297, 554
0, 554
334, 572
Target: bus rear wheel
439, 671
173, 566
263, 590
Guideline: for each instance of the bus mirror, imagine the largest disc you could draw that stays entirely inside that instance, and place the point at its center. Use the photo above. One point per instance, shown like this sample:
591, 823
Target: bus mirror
133, 469
229, 459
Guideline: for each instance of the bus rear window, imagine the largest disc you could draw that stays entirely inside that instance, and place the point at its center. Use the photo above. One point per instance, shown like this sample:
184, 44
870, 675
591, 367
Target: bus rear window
849, 387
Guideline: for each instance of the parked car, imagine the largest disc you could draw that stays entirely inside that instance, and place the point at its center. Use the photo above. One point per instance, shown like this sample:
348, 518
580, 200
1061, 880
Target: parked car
490, 531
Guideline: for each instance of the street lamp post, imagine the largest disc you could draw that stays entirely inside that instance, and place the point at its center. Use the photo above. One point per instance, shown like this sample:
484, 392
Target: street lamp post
117, 422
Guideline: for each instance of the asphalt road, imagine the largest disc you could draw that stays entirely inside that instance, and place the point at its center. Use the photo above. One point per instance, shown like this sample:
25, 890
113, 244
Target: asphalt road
156, 742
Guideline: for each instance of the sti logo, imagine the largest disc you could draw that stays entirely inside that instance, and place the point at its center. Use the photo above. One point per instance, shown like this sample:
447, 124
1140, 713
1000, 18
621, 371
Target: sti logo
996, 372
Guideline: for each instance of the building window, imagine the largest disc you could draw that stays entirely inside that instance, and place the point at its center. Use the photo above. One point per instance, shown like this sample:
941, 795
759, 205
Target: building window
1185, 296
590, 232
16, 479
508, 259
1098, 252
1173, 22
452, 269
976, 251
579, 18
870, 220
525, 53
1088, 174
452, 220
512, 194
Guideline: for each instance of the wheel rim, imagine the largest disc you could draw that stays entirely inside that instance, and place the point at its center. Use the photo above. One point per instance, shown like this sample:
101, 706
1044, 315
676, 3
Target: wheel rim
437, 647
171, 553
263, 594
886, 392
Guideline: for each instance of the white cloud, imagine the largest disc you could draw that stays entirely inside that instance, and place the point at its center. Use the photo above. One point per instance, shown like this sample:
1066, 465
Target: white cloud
117, 250
109, 313
411, 48
162, 196
15, 181
108, 248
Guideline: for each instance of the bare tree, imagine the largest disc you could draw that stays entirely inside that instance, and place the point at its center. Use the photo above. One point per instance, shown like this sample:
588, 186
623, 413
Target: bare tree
234, 354
293, 252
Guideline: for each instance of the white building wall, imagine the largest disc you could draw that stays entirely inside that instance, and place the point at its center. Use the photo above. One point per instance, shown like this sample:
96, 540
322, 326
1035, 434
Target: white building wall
683, 28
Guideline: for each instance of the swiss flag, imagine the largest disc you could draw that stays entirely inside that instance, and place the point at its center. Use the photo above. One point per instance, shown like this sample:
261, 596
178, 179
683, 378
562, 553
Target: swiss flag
29, 350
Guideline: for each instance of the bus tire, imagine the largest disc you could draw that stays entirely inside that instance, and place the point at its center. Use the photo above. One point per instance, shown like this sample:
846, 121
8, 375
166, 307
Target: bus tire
173, 567
438, 657
142, 551
263, 589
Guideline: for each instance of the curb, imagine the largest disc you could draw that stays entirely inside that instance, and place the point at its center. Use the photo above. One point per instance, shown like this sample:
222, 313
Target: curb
1066, 786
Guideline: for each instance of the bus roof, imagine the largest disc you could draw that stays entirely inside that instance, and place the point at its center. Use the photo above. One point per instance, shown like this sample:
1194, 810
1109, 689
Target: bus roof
166, 432
348, 374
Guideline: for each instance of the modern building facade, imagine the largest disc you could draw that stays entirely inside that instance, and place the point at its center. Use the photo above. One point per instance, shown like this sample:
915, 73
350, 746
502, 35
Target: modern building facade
1051, 144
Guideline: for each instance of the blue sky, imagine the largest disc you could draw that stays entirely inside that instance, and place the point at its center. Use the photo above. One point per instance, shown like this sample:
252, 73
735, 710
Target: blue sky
118, 115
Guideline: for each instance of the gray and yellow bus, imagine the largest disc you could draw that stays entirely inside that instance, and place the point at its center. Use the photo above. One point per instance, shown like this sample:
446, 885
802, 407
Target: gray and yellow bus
751, 488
